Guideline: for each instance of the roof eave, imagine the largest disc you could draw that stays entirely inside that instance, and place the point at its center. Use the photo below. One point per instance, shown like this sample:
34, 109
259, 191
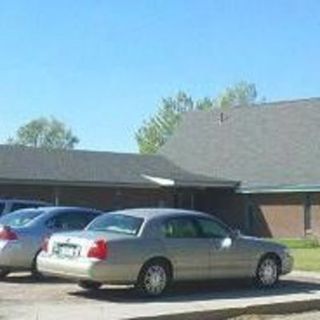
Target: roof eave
117, 184
278, 189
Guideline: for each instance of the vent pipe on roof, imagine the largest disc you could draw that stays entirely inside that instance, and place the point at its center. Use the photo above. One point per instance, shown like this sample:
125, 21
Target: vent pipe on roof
221, 118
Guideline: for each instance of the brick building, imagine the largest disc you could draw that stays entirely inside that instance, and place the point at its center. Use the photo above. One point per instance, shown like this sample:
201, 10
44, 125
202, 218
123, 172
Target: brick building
257, 168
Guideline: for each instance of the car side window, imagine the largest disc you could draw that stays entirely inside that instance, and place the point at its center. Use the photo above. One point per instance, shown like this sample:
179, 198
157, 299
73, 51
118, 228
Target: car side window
212, 229
75, 220
180, 228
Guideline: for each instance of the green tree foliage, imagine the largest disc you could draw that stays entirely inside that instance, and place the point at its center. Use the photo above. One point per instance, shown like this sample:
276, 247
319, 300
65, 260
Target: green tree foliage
241, 94
154, 132
45, 133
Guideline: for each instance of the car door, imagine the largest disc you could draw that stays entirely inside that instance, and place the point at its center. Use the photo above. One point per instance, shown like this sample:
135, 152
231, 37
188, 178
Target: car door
186, 249
228, 258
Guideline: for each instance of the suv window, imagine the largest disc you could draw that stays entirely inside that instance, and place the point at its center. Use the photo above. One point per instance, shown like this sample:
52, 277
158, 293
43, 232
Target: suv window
212, 229
180, 228
75, 220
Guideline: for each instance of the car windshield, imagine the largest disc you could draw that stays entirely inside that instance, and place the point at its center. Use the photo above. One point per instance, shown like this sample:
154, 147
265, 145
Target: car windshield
118, 223
20, 218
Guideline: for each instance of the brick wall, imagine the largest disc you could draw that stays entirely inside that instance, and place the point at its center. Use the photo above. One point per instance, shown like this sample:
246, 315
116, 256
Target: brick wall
278, 215
315, 213
100, 198
224, 204
271, 215
44, 193
115, 198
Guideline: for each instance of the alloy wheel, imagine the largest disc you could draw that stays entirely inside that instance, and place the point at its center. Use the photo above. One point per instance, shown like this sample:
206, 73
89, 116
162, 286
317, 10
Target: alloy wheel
268, 272
155, 280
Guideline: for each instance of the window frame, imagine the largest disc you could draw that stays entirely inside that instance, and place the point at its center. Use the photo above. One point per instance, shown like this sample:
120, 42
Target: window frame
217, 222
195, 224
139, 220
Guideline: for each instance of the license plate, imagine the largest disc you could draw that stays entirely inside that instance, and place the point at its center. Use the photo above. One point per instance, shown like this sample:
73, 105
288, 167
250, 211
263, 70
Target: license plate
67, 251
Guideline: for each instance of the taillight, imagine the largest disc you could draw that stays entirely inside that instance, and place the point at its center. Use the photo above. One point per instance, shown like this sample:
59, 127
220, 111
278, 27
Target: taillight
45, 244
7, 234
98, 250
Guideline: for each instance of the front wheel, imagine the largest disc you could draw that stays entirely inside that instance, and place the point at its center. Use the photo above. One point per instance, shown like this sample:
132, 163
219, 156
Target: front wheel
154, 278
89, 285
267, 274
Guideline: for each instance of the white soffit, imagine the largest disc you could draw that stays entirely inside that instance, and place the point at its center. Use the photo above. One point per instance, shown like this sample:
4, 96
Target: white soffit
160, 181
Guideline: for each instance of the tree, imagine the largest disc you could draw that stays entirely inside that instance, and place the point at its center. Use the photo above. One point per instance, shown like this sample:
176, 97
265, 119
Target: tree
241, 94
155, 132
45, 133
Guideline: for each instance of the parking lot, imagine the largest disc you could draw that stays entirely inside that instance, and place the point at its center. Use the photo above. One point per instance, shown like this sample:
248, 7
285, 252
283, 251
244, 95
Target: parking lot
23, 298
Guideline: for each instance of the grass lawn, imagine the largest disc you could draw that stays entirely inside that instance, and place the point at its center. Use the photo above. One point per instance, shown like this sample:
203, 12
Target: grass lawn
306, 253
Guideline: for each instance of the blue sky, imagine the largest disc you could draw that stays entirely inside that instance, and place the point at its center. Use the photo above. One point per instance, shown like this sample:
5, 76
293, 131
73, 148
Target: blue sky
102, 66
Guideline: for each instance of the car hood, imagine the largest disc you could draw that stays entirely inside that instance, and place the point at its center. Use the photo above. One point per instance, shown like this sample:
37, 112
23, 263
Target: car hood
264, 243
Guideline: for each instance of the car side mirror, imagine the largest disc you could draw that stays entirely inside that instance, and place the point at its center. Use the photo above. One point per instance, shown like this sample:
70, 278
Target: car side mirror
226, 243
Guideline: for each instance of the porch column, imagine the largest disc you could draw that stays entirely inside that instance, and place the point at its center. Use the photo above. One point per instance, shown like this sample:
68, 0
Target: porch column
308, 214
56, 196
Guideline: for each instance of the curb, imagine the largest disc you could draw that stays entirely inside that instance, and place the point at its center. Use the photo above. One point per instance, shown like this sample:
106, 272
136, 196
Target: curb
226, 313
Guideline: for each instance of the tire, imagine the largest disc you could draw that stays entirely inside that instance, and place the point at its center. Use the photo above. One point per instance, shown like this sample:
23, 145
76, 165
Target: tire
4, 273
154, 278
34, 269
89, 285
268, 270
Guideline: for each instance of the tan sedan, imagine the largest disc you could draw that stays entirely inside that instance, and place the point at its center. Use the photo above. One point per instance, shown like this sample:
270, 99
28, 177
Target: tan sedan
151, 248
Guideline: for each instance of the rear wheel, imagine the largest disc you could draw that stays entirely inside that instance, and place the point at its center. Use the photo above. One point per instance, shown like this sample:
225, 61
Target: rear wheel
3, 273
268, 270
34, 268
90, 285
154, 278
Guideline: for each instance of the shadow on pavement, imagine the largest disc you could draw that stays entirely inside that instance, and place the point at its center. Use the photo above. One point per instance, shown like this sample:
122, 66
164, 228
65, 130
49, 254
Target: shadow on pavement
188, 292
28, 278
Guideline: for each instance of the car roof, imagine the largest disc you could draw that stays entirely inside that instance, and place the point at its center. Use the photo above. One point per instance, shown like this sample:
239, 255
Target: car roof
64, 208
151, 213
57, 209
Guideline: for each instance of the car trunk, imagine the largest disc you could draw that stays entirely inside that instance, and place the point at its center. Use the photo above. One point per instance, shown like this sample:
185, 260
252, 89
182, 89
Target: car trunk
78, 244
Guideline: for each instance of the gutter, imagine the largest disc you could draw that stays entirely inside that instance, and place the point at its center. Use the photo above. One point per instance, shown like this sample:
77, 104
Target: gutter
278, 189
150, 183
